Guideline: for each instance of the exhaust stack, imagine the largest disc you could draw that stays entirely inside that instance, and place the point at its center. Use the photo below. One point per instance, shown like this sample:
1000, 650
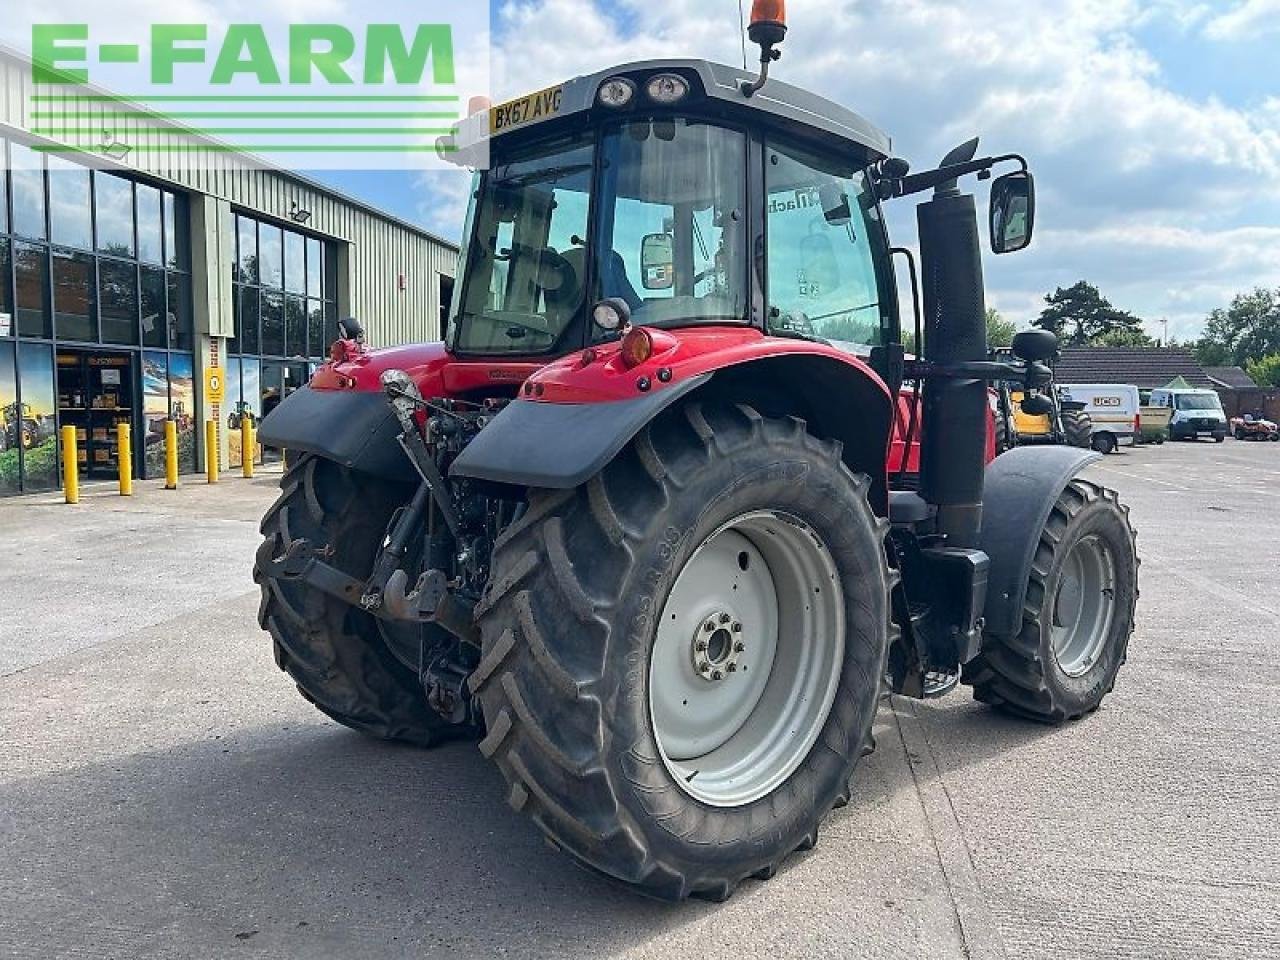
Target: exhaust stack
954, 435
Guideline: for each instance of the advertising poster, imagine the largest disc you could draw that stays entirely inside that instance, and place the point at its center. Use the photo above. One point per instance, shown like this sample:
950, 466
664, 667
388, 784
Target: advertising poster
10, 461
155, 409
241, 410
182, 406
33, 423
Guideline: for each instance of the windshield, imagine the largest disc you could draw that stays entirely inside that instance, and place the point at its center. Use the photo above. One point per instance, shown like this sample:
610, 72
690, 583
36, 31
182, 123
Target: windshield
675, 230
1198, 401
526, 250
669, 223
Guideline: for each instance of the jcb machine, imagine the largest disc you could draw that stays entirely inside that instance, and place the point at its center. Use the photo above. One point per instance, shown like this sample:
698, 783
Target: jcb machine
1040, 415
637, 524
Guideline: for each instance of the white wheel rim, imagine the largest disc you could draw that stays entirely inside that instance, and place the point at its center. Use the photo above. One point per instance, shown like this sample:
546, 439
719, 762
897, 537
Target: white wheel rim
1083, 608
746, 658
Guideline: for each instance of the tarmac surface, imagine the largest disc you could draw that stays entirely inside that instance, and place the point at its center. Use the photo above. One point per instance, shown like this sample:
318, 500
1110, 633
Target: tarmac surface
164, 792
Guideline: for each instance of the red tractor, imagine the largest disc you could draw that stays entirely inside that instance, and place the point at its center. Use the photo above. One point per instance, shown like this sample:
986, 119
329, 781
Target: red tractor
658, 523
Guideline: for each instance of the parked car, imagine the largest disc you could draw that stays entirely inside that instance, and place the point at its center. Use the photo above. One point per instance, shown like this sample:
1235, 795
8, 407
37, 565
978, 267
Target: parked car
1196, 413
1251, 427
1113, 410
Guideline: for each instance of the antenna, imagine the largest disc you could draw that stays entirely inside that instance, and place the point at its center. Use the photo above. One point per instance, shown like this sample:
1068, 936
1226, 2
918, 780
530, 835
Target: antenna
742, 34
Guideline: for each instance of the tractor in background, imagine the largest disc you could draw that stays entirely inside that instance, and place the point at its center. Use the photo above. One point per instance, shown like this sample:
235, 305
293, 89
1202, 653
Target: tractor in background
656, 524
1036, 415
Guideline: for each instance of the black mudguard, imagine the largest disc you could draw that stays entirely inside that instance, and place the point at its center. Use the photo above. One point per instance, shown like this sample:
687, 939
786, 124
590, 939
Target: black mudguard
558, 446
357, 430
1020, 489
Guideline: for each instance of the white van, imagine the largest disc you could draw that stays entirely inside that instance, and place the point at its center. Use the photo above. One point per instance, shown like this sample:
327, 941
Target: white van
1113, 409
1196, 413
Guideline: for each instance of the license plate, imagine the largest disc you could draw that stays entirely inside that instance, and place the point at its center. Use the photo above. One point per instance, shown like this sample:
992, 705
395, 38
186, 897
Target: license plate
525, 111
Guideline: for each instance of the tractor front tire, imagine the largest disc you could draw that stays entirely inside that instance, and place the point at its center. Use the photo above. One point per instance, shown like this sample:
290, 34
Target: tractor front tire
1077, 428
683, 657
1077, 617
335, 653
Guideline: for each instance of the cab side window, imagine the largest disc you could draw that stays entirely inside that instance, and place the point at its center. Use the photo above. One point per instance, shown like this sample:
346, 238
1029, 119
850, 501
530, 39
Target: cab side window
824, 242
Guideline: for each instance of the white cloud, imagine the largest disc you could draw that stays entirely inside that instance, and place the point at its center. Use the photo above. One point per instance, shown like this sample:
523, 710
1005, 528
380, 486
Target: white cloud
1246, 21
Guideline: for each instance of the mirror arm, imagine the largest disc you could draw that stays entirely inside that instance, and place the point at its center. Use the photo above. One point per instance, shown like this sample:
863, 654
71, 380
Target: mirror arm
1033, 374
891, 188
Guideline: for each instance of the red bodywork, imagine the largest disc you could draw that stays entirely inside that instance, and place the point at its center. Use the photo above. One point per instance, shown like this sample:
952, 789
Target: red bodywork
598, 374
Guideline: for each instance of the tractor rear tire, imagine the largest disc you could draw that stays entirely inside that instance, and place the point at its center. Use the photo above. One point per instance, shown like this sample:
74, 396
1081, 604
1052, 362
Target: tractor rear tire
335, 653
1077, 428
571, 620
1054, 671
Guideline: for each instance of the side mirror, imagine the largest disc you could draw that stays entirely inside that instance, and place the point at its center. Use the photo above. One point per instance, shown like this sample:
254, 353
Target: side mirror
1035, 346
1037, 405
835, 204
351, 329
657, 262
1013, 211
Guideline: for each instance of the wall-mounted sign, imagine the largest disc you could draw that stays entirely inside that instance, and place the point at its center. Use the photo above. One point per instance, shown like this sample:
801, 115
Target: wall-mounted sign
215, 385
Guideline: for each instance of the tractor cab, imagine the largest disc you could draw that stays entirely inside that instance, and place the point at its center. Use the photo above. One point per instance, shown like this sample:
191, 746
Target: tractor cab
659, 188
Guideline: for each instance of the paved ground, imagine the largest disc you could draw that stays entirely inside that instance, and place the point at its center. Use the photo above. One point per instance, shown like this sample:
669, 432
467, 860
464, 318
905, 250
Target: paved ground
165, 794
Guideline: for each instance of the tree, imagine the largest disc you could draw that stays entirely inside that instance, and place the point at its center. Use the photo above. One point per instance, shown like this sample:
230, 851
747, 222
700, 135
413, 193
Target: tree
1124, 337
1266, 371
1211, 354
999, 330
1080, 315
1249, 329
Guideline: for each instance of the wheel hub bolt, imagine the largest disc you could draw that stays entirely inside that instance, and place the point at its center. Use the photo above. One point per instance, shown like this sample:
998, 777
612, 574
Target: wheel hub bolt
717, 647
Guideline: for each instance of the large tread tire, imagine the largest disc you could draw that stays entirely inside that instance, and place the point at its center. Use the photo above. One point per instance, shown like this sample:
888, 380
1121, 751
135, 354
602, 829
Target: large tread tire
335, 653
1020, 674
568, 625
1002, 434
1077, 428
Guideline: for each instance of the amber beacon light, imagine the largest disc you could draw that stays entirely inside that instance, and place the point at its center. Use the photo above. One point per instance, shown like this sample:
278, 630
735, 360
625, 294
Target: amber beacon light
768, 22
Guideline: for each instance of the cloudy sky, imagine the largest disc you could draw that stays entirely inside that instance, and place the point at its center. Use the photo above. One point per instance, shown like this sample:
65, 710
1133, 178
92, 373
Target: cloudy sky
1153, 126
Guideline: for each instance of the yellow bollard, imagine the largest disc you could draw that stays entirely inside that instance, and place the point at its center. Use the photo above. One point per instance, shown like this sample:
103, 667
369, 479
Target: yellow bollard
70, 465
212, 456
248, 445
124, 458
170, 455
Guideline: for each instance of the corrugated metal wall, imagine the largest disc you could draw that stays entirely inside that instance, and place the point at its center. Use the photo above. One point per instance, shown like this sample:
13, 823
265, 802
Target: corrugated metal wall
381, 249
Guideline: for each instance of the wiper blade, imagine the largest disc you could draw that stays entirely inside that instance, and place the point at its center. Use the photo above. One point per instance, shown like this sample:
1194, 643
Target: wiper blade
539, 176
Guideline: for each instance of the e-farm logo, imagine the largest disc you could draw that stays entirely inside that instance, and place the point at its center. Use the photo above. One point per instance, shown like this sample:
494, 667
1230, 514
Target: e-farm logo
305, 89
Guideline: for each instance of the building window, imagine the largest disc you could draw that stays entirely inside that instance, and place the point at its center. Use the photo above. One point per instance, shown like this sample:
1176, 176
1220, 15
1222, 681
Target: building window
113, 204
27, 176
283, 285
70, 207
93, 266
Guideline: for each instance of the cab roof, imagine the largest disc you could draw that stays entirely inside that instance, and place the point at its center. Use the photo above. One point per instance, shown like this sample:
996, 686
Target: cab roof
788, 107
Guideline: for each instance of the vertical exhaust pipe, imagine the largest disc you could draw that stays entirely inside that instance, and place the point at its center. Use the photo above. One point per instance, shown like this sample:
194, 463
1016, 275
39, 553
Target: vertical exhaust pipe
954, 433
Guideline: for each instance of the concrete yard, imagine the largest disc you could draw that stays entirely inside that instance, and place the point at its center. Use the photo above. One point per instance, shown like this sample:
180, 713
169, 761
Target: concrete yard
164, 792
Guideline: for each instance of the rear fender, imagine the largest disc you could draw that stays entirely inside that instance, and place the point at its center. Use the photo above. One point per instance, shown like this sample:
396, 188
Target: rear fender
1021, 487
589, 411
355, 428
343, 414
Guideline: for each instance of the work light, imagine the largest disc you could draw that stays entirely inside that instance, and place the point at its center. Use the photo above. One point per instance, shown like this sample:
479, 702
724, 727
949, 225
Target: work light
667, 88
616, 92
